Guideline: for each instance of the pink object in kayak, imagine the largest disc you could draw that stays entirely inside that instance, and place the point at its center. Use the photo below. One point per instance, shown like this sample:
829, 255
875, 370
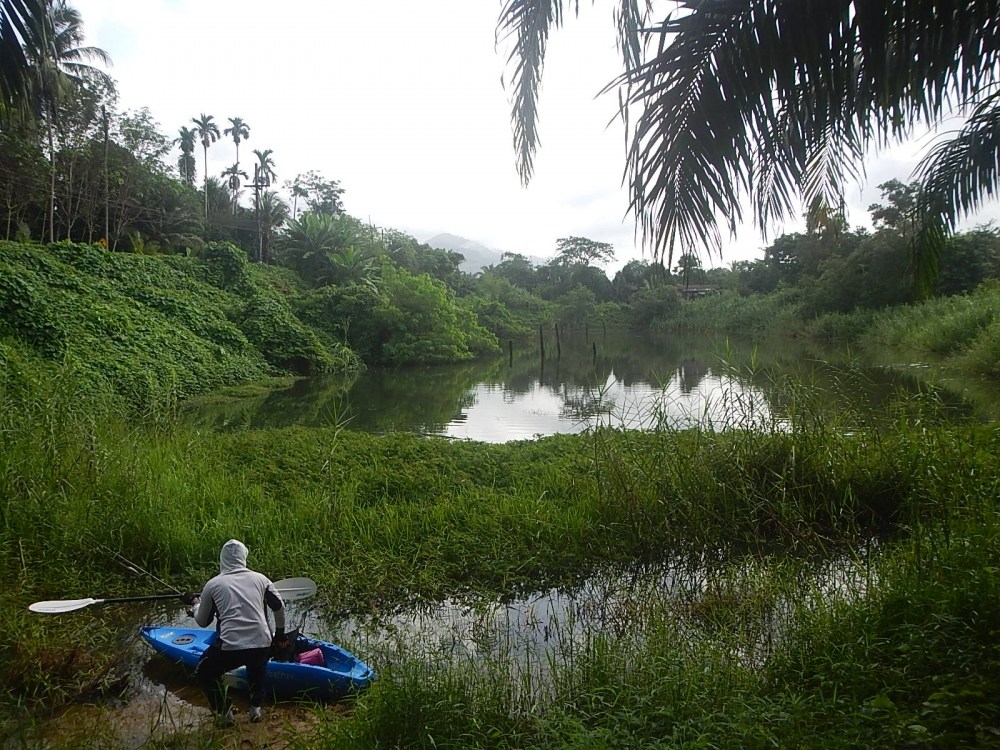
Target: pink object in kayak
313, 656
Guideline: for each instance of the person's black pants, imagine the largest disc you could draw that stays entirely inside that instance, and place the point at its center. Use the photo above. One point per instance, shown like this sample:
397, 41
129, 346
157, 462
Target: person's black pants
215, 662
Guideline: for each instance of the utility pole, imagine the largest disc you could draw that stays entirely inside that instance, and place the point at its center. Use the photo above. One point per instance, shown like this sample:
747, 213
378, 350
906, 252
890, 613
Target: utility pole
107, 192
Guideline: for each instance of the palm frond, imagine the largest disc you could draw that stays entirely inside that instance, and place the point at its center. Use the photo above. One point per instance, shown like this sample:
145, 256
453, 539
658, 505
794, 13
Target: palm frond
794, 79
629, 19
960, 173
528, 23
832, 159
778, 101
955, 178
16, 20
685, 141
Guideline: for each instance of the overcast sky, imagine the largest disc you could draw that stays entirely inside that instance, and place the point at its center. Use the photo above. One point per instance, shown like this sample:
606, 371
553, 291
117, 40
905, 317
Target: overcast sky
402, 102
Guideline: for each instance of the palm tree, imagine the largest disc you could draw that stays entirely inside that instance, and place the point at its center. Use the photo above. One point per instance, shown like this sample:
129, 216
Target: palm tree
263, 175
307, 244
297, 190
208, 131
16, 19
219, 197
769, 101
273, 213
185, 162
53, 46
354, 266
232, 176
265, 165
239, 131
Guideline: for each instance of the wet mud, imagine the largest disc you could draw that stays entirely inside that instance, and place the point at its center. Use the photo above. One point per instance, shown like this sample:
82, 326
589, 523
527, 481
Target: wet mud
165, 708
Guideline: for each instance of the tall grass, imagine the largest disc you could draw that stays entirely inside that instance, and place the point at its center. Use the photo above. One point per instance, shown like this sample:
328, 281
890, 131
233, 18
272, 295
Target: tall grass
778, 312
900, 654
956, 330
379, 520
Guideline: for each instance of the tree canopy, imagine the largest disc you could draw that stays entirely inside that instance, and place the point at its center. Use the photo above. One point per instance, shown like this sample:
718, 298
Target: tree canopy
573, 250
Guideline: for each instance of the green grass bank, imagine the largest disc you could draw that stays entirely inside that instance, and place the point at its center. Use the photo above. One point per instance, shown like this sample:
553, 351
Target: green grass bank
958, 333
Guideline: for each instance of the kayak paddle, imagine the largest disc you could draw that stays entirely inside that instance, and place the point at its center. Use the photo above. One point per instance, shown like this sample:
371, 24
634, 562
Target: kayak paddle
290, 590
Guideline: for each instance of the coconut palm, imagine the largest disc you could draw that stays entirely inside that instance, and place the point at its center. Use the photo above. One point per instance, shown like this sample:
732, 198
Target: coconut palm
59, 61
187, 138
16, 18
765, 102
239, 131
208, 132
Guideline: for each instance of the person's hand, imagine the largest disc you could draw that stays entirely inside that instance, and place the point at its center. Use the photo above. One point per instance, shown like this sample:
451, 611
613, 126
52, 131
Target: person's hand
193, 604
190, 598
280, 640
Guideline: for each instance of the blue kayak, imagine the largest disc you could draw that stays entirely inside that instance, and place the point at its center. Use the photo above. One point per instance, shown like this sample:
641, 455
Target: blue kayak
338, 674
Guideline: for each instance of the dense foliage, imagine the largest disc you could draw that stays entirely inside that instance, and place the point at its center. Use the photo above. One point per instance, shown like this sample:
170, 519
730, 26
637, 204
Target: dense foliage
379, 292
151, 326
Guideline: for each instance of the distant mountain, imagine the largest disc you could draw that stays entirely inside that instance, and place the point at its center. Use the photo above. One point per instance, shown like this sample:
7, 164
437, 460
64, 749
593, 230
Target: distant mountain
476, 254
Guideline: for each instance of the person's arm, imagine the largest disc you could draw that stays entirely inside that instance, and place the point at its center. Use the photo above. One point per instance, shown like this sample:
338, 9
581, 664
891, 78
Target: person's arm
273, 600
204, 610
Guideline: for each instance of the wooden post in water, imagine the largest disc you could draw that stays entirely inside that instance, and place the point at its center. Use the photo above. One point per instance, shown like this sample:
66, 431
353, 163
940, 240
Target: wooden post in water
558, 345
510, 348
595, 354
541, 342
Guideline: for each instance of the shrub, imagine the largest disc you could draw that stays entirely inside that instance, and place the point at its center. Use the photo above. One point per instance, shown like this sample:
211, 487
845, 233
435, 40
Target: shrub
659, 303
284, 340
227, 266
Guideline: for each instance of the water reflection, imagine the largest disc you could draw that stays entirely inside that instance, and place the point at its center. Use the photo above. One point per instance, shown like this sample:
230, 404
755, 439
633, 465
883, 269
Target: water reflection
618, 380
744, 607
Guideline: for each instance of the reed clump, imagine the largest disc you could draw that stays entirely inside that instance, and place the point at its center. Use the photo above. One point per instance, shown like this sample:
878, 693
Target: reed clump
733, 313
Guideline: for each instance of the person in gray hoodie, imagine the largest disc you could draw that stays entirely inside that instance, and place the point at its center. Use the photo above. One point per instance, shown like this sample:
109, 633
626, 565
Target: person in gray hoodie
238, 599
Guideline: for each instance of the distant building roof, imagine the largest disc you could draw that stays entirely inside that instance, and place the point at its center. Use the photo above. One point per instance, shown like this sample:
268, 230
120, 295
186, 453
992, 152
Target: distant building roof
699, 290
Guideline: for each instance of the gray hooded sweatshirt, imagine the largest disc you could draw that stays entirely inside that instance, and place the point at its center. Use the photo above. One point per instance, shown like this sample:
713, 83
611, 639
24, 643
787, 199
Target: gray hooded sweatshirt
238, 597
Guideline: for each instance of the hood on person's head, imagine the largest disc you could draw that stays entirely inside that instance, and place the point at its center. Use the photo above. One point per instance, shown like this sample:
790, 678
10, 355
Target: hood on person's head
233, 556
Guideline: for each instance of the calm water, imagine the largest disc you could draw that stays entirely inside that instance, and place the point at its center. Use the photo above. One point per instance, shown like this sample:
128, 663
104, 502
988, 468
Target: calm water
611, 379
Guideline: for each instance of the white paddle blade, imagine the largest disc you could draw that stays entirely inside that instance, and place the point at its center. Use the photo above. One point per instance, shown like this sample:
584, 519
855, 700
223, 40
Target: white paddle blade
58, 606
295, 588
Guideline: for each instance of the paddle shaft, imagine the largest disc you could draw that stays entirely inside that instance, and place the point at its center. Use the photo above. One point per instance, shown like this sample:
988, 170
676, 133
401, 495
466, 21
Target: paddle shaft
150, 598
290, 589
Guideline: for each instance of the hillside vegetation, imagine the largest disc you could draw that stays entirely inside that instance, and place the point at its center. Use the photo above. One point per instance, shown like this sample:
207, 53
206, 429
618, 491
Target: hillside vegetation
171, 326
